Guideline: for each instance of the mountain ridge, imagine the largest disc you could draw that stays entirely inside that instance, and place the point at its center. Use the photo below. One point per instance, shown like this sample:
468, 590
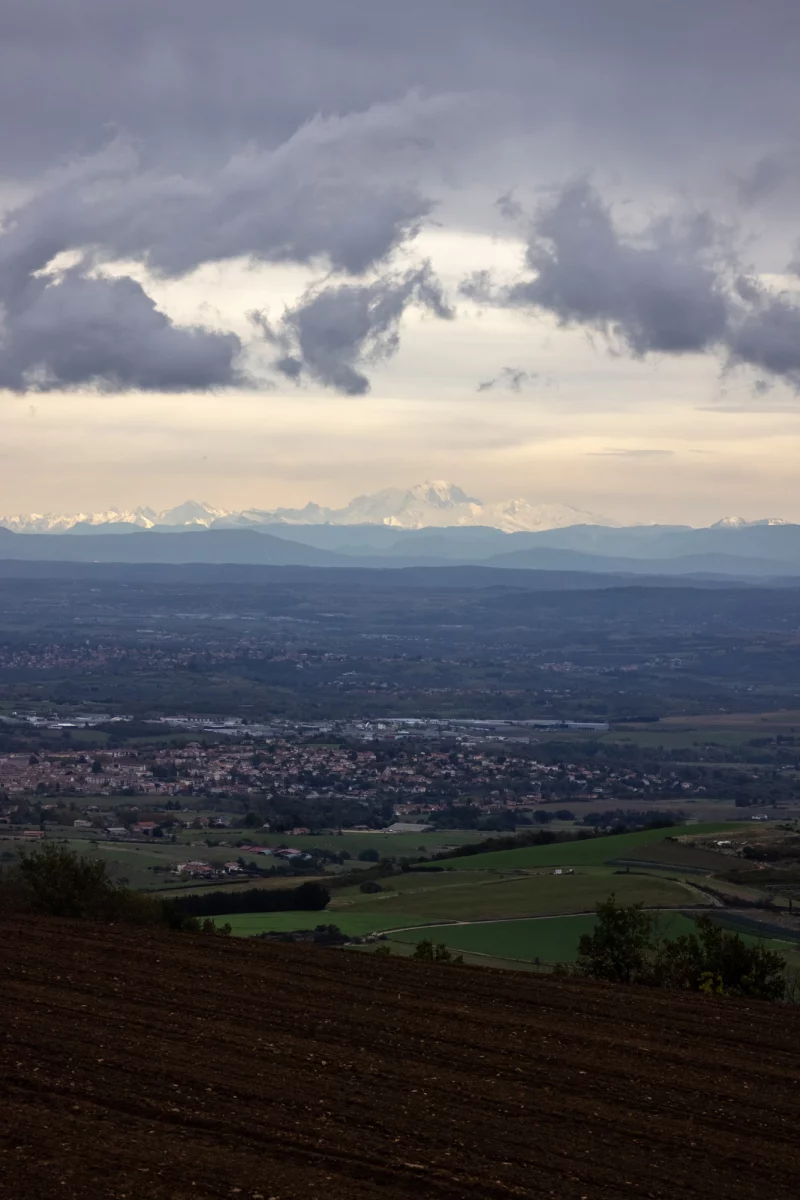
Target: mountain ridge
432, 504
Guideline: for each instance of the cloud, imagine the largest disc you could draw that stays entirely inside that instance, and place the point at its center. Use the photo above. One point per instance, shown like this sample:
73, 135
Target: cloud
769, 338
330, 135
340, 192
675, 287
767, 176
343, 190
512, 379
335, 329
78, 331
658, 291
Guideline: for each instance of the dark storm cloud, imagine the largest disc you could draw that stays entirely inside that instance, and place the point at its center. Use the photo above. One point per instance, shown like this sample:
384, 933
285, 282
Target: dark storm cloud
335, 329
107, 333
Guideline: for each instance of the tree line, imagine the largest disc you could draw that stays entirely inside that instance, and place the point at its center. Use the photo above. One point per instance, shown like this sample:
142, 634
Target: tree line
308, 897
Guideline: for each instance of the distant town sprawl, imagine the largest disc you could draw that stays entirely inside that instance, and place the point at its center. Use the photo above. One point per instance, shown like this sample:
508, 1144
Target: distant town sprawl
348, 777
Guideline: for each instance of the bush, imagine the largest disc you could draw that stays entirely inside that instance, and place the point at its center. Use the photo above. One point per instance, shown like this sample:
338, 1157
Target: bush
370, 887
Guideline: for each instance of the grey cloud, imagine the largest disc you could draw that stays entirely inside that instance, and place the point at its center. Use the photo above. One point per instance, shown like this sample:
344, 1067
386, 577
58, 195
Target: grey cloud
769, 338
335, 329
674, 288
104, 332
340, 192
324, 133
194, 79
656, 292
343, 190
512, 379
767, 176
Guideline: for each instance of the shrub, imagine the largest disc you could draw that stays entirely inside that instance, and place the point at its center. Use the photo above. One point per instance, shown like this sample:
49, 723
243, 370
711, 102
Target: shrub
370, 887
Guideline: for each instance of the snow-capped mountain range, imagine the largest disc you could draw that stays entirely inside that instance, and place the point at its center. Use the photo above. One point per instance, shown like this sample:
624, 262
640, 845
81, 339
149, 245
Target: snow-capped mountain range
434, 504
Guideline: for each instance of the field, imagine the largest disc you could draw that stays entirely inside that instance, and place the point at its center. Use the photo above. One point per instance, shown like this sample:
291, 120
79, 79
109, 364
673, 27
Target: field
152, 1066
512, 886
246, 924
551, 939
554, 939
419, 900
392, 845
529, 895
591, 852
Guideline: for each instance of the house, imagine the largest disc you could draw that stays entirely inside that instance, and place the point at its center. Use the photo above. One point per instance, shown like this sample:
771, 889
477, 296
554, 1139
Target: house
82, 824
147, 828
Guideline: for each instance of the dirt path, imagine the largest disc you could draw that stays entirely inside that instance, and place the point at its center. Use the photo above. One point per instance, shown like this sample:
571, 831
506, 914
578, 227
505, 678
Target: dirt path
139, 1066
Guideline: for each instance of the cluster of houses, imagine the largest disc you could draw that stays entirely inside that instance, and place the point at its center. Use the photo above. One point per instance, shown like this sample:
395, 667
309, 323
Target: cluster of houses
416, 780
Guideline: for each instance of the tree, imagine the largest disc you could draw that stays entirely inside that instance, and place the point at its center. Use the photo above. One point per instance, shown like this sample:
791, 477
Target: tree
370, 887
717, 961
620, 947
425, 951
368, 856
60, 883
626, 947
97, 767
54, 881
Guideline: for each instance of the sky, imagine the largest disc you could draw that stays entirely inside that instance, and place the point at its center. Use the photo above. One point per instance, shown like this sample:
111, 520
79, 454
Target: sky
259, 253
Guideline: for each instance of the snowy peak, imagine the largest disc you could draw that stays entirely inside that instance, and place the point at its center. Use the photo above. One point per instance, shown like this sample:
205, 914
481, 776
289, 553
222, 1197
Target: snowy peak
440, 494
432, 504
190, 513
743, 523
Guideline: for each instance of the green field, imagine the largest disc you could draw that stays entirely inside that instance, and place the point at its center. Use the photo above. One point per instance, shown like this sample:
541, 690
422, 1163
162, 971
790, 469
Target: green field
591, 852
391, 845
550, 939
418, 901
526, 896
247, 924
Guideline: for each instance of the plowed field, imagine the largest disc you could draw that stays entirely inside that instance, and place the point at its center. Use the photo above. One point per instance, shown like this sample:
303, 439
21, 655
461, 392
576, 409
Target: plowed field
136, 1065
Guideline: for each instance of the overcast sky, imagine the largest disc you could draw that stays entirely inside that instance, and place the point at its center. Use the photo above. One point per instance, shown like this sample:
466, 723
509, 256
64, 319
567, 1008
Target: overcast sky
263, 252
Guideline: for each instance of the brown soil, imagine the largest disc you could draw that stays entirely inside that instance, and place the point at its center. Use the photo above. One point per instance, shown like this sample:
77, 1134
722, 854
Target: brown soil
137, 1065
